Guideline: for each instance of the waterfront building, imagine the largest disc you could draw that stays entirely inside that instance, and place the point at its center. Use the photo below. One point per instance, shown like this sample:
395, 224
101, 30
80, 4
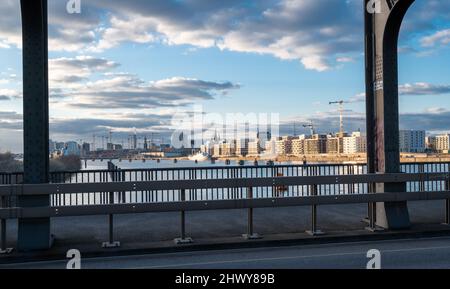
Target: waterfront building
443, 143
254, 147
430, 143
298, 146
85, 149
354, 144
71, 149
242, 147
216, 150
227, 149
283, 146
316, 145
333, 145
412, 141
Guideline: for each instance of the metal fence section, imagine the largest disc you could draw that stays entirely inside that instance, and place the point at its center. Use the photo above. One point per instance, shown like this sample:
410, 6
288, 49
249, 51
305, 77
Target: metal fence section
117, 195
115, 174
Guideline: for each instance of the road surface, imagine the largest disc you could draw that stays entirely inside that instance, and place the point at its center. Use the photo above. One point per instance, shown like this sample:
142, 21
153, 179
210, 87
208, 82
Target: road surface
411, 253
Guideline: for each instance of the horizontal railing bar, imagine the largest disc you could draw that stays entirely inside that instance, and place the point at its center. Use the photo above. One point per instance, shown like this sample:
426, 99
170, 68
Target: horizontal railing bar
230, 167
72, 188
41, 212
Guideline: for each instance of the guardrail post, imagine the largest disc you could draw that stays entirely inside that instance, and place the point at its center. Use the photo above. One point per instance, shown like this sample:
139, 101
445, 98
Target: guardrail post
3, 245
183, 239
314, 231
447, 203
111, 243
372, 212
250, 234
421, 183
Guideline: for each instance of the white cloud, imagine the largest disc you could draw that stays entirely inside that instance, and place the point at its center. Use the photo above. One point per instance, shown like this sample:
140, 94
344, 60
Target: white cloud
69, 72
441, 37
423, 88
6, 94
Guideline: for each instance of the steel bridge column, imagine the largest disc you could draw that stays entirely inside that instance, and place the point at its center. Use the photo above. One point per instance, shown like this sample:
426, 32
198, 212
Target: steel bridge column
34, 234
382, 105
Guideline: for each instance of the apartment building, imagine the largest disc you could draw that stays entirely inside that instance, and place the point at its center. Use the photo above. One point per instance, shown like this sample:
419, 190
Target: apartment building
316, 145
443, 143
354, 144
412, 141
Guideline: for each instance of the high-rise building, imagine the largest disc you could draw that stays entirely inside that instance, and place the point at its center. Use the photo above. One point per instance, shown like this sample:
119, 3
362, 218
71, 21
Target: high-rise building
71, 149
412, 141
357, 143
85, 149
254, 148
443, 143
430, 143
227, 149
333, 144
51, 146
216, 150
283, 146
298, 146
242, 147
316, 145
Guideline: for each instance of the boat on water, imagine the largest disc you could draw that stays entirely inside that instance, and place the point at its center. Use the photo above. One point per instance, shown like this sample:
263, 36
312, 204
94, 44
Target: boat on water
199, 157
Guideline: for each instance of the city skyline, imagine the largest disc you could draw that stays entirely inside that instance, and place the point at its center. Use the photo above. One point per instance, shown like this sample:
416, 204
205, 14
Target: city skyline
118, 69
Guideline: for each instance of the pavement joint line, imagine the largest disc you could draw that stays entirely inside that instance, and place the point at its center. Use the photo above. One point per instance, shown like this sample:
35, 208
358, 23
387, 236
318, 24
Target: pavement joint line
289, 258
333, 241
252, 250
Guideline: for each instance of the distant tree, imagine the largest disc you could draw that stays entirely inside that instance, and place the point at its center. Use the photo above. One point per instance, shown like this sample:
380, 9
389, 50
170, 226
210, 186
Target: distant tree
66, 163
8, 164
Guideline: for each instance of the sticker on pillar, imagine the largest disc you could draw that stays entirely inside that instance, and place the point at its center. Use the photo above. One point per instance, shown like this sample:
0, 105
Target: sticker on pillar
378, 85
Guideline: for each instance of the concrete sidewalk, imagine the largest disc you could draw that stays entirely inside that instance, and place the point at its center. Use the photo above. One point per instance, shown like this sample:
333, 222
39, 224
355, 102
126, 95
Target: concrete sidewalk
212, 228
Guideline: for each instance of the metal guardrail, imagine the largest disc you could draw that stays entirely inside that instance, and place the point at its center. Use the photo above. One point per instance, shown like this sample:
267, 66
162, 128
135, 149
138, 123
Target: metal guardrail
218, 173
233, 192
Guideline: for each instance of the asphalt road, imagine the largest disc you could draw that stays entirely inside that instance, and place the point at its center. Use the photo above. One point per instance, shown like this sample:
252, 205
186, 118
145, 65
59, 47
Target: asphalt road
395, 254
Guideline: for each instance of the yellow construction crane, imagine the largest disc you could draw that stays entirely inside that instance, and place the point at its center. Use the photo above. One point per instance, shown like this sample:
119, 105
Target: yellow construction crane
341, 115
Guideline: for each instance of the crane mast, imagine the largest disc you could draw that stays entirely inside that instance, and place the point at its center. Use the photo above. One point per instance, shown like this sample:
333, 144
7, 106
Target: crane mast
341, 115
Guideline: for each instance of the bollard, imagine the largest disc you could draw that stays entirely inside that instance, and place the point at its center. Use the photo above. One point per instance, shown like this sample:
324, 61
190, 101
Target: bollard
111, 243
314, 231
250, 234
183, 239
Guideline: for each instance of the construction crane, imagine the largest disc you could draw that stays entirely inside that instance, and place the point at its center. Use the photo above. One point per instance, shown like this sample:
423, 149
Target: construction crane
93, 142
310, 125
110, 136
341, 115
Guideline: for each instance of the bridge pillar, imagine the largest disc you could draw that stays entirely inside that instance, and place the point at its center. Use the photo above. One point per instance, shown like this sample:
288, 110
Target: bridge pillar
382, 31
34, 234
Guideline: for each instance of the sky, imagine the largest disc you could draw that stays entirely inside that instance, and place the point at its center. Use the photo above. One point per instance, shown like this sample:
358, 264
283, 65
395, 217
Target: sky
126, 66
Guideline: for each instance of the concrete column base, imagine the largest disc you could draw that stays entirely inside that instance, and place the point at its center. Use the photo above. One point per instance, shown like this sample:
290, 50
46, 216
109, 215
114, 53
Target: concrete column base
315, 233
393, 216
